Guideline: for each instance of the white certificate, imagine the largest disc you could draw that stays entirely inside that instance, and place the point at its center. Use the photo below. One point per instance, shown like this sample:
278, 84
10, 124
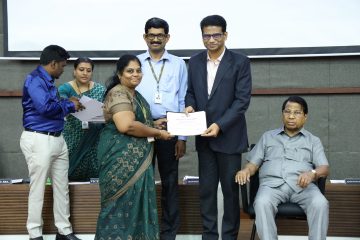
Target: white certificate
178, 124
93, 111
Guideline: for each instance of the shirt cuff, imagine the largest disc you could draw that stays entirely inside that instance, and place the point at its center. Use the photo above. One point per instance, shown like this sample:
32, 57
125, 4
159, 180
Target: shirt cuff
183, 138
70, 107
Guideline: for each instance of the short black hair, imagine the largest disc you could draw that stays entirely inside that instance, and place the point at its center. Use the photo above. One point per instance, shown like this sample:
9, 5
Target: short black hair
53, 53
213, 20
296, 99
84, 60
156, 23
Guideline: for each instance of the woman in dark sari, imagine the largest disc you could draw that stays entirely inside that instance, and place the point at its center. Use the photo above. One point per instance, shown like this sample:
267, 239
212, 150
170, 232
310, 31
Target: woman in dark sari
126, 176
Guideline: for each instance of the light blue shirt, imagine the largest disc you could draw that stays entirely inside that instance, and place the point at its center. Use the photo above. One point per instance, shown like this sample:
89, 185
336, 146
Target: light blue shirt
282, 158
172, 84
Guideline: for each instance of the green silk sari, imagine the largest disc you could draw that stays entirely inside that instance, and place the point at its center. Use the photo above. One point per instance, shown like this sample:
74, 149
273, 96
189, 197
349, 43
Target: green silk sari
126, 176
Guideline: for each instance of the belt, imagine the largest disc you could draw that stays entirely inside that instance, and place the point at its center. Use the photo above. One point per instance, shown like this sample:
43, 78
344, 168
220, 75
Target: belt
55, 134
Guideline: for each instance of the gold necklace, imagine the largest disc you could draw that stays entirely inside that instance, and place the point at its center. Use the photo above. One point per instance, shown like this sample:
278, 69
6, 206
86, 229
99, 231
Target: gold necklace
78, 88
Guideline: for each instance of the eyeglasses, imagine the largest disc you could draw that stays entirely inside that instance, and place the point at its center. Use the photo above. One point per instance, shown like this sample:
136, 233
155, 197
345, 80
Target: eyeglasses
295, 113
216, 36
160, 36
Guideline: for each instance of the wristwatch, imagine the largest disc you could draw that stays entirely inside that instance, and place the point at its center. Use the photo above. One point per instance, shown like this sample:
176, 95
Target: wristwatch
314, 172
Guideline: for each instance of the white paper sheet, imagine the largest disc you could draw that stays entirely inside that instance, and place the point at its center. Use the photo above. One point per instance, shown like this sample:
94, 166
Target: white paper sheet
93, 111
178, 124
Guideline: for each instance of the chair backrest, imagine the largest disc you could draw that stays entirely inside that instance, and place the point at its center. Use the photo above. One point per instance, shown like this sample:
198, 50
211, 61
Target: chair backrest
253, 186
321, 182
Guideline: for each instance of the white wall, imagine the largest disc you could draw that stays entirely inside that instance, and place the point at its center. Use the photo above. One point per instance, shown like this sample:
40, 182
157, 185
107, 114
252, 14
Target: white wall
113, 25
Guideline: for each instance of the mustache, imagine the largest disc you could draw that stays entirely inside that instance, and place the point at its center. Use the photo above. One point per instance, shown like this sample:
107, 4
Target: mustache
155, 42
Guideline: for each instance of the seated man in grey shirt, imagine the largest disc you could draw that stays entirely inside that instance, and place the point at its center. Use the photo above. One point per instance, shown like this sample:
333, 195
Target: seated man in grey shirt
289, 160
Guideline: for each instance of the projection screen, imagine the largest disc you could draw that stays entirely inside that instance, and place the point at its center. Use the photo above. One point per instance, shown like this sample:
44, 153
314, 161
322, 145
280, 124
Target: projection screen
109, 28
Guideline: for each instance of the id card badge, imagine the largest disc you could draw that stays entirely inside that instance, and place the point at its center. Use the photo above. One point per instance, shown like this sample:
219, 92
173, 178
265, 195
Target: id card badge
85, 125
157, 98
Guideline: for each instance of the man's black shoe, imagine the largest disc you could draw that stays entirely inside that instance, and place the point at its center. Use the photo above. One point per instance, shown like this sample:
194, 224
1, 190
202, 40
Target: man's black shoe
37, 238
70, 236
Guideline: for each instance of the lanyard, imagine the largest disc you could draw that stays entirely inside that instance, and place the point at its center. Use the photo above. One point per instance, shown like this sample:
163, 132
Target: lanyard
153, 72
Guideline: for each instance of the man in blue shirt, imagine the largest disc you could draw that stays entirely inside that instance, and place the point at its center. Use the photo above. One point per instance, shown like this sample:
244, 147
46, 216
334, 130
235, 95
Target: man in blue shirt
289, 160
42, 143
164, 86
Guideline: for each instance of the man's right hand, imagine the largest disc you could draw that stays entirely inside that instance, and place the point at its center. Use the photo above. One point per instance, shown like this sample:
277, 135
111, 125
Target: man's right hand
78, 105
188, 110
243, 176
160, 123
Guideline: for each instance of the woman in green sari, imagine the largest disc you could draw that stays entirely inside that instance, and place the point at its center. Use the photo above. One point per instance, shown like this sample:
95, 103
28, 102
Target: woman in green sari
82, 137
126, 176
